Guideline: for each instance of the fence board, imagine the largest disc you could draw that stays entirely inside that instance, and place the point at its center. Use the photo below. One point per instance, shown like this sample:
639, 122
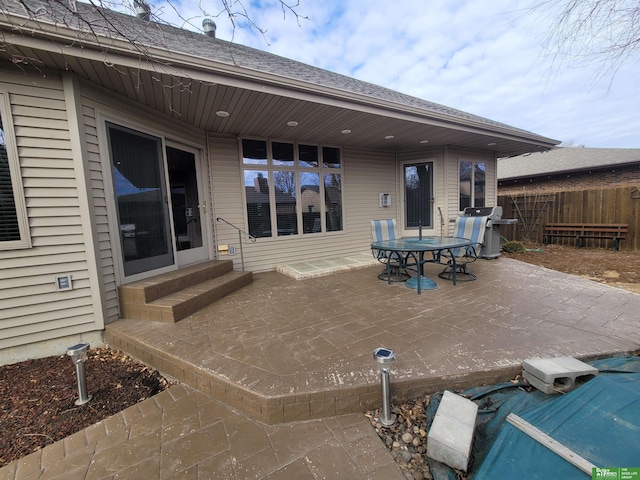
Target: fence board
610, 205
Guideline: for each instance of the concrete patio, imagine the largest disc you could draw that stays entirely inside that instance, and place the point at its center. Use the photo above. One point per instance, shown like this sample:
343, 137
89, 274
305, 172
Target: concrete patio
273, 377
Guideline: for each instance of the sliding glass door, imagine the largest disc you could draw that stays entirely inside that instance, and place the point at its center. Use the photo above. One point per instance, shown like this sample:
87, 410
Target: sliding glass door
137, 167
160, 222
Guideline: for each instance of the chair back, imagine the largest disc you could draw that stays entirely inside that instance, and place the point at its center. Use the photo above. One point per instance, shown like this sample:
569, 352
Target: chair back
472, 228
384, 230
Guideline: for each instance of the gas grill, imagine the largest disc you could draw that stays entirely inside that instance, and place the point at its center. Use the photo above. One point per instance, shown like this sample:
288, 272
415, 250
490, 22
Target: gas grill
491, 244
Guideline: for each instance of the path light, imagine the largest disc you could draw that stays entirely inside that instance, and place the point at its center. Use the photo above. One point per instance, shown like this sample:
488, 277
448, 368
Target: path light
384, 356
78, 354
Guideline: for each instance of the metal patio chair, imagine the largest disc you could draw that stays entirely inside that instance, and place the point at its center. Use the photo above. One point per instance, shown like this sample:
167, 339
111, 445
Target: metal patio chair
387, 230
472, 228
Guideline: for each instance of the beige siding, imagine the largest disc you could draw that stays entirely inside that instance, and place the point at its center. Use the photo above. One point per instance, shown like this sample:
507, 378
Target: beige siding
365, 175
103, 247
228, 201
31, 309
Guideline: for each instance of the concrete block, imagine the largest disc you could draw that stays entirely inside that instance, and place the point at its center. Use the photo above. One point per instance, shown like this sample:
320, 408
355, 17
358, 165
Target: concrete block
559, 374
451, 434
535, 382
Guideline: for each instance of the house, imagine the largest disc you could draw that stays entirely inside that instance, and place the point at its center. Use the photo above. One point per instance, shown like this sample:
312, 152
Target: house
583, 185
571, 168
125, 140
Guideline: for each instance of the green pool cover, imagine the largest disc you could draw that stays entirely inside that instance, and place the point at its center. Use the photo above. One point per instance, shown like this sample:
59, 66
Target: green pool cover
599, 420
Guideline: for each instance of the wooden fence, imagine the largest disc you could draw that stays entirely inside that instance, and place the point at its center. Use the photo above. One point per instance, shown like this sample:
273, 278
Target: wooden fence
534, 210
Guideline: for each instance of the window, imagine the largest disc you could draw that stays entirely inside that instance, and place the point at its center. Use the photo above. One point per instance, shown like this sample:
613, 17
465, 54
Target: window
295, 187
472, 184
418, 195
13, 216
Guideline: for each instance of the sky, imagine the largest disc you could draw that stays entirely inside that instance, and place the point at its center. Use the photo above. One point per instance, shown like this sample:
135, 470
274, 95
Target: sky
491, 58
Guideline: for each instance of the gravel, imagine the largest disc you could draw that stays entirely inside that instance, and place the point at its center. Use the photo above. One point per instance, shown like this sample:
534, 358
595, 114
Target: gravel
406, 439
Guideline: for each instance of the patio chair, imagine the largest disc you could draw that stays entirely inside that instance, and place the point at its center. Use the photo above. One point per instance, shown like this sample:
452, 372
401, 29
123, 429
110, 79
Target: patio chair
387, 230
472, 228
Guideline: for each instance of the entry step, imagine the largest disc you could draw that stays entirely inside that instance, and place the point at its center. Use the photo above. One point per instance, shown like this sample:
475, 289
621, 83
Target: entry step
559, 374
174, 295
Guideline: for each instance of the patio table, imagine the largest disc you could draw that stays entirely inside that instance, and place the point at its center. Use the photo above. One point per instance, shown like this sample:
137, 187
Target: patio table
416, 247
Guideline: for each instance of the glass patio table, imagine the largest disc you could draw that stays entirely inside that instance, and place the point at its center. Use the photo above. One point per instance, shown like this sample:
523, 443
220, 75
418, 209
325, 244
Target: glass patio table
415, 248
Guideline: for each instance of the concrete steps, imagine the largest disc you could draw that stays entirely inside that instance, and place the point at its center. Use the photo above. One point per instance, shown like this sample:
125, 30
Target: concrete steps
173, 296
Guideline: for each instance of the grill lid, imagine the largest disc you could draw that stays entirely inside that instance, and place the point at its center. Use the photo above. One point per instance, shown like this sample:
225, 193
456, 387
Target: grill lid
493, 212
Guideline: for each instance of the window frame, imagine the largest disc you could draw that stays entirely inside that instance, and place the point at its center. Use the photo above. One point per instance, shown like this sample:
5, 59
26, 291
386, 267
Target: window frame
16, 177
298, 170
472, 185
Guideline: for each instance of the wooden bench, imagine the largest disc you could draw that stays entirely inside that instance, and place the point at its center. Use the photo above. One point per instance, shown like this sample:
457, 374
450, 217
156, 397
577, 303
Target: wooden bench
581, 231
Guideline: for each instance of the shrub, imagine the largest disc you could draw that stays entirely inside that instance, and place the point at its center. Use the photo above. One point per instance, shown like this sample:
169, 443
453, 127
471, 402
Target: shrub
513, 246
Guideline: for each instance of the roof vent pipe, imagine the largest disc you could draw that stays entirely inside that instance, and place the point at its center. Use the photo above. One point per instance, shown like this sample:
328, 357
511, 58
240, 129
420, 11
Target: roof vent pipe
209, 27
143, 10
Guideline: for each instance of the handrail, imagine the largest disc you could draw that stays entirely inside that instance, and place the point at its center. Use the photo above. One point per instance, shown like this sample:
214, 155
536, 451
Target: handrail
240, 232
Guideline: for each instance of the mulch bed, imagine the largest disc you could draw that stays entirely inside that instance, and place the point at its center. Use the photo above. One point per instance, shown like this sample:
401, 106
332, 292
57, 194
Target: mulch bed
37, 397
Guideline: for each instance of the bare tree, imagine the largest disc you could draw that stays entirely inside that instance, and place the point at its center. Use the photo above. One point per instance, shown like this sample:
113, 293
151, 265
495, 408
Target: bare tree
101, 22
98, 20
285, 182
238, 13
605, 33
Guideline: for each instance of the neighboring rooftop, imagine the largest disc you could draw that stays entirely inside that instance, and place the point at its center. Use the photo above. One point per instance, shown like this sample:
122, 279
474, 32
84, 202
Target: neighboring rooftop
565, 160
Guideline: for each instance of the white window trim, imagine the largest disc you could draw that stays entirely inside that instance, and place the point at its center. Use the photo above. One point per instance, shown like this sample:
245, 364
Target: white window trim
16, 177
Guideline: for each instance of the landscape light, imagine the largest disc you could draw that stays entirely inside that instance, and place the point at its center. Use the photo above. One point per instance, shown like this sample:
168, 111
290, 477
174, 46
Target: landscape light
78, 354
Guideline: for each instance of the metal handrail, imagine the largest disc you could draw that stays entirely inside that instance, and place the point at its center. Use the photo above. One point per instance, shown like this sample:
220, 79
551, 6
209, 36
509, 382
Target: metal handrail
240, 232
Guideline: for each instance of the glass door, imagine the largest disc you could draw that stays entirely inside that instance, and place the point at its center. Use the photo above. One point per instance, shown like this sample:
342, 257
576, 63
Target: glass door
418, 195
187, 205
137, 166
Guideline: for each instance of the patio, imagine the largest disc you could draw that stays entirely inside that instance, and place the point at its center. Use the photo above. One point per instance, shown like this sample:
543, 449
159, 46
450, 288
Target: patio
283, 350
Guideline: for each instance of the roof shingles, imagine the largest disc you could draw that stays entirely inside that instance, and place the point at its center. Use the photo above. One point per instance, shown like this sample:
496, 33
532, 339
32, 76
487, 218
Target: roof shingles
562, 160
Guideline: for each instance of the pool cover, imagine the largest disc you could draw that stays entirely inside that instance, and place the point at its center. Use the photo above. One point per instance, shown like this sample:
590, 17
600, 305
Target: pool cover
599, 420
